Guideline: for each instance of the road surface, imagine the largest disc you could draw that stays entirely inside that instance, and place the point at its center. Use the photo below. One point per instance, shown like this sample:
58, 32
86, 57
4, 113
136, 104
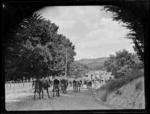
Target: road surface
22, 99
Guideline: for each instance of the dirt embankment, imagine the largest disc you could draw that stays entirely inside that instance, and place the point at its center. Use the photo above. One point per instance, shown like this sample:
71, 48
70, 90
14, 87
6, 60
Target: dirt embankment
130, 96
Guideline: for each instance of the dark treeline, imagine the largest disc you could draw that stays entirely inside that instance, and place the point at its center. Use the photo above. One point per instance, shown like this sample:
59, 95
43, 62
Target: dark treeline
35, 49
135, 17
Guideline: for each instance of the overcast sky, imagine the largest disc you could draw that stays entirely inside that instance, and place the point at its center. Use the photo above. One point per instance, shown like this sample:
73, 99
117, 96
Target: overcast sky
91, 29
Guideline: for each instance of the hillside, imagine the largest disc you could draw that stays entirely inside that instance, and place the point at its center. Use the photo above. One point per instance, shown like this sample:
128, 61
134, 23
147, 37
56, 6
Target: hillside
93, 64
130, 96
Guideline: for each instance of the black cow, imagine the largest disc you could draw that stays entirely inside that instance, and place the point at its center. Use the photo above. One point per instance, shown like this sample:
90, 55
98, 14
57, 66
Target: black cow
64, 85
40, 85
85, 82
89, 84
56, 87
81, 83
76, 85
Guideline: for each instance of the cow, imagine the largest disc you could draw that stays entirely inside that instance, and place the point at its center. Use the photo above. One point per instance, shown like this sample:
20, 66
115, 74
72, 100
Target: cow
70, 83
40, 85
89, 84
81, 83
33, 83
76, 85
56, 83
64, 85
85, 82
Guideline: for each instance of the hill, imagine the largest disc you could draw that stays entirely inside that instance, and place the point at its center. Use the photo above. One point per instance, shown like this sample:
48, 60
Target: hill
93, 64
129, 96
97, 63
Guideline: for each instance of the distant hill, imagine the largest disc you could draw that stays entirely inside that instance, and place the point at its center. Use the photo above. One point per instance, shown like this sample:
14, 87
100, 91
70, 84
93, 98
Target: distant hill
93, 64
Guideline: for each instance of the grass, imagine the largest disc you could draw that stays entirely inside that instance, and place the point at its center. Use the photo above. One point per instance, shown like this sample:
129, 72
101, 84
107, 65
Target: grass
104, 97
138, 86
115, 84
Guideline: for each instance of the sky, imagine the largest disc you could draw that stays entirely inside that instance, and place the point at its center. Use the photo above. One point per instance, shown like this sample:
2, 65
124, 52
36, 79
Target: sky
90, 28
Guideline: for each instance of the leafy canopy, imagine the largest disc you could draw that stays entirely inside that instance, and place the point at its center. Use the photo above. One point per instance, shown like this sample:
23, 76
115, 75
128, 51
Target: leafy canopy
35, 49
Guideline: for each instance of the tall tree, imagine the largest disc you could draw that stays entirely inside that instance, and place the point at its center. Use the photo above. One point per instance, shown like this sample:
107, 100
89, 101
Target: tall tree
135, 17
36, 49
120, 63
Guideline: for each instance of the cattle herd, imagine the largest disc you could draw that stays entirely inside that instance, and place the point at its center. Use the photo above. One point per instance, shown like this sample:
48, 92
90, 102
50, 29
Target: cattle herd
57, 85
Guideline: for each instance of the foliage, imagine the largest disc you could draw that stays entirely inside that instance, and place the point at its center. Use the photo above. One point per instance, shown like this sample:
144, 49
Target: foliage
77, 69
104, 97
137, 24
115, 84
122, 63
35, 49
138, 86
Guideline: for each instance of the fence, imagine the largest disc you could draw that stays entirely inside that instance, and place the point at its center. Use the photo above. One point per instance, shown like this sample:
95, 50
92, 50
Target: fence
17, 85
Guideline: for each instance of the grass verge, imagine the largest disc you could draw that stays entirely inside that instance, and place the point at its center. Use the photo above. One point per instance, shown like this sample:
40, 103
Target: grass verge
115, 84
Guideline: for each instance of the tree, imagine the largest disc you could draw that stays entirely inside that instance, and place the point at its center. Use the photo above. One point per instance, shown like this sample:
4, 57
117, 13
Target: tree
136, 18
36, 49
120, 63
77, 69
110, 63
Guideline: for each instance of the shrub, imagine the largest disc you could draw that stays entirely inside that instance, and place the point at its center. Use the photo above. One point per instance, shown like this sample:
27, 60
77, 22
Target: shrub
138, 86
115, 84
118, 92
134, 74
104, 97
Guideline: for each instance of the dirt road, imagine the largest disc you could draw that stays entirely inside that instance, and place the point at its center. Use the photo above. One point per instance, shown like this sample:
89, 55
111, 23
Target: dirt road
23, 100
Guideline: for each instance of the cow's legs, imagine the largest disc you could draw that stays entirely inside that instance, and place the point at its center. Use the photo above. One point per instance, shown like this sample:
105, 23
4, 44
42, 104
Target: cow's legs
65, 90
73, 87
58, 92
34, 93
53, 92
42, 92
76, 89
48, 93
39, 93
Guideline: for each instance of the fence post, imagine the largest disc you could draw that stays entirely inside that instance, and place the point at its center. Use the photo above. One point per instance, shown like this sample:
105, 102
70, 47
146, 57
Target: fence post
10, 84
